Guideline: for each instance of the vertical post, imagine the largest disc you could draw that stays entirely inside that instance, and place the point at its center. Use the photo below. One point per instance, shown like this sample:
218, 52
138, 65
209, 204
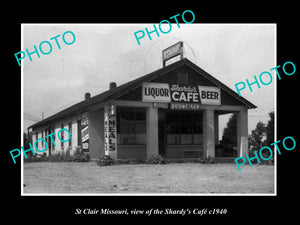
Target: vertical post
48, 142
242, 133
208, 133
152, 131
110, 132
106, 147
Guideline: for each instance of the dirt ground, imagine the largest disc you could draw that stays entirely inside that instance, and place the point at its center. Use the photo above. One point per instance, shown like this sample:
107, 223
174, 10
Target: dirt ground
177, 178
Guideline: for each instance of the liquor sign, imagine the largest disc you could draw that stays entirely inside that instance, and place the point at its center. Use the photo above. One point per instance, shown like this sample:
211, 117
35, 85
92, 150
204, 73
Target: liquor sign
172, 51
85, 132
110, 132
156, 92
210, 95
184, 97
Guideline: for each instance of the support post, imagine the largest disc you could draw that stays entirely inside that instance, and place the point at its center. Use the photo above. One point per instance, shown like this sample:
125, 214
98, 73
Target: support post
208, 134
242, 133
110, 132
152, 131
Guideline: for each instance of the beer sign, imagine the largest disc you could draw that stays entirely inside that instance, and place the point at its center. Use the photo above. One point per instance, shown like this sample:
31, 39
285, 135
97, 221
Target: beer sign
210, 95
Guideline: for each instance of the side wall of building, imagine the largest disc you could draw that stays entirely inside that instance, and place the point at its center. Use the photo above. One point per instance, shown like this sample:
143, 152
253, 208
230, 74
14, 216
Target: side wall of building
96, 133
69, 123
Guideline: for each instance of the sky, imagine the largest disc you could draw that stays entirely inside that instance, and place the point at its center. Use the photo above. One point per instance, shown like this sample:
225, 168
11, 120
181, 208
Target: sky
103, 53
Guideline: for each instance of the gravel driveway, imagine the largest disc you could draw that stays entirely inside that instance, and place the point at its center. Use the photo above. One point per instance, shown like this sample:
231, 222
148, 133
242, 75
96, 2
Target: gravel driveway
177, 178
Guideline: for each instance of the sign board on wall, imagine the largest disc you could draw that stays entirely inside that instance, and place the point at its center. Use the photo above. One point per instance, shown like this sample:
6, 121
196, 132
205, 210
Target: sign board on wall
185, 106
210, 95
181, 97
184, 97
85, 132
156, 92
110, 133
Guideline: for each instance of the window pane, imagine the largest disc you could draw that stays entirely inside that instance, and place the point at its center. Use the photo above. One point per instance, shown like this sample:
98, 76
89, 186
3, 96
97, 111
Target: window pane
131, 128
173, 123
140, 116
187, 124
140, 138
127, 116
119, 139
123, 128
173, 139
140, 127
186, 139
198, 139
197, 124
128, 138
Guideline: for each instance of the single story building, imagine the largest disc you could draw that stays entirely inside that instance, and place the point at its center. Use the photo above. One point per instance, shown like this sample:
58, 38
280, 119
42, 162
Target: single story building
172, 112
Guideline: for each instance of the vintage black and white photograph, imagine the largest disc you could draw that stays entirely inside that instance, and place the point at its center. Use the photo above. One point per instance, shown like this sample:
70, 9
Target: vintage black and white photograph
149, 109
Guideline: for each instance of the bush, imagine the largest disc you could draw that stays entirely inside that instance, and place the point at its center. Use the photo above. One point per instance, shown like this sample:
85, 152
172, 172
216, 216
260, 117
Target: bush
32, 158
105, 160
55, 158
80, 156
63, 156
67, 156
156, 159
252, 154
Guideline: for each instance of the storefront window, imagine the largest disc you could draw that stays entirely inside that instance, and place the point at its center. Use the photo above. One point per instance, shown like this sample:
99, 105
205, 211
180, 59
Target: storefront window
131, 126
184, 128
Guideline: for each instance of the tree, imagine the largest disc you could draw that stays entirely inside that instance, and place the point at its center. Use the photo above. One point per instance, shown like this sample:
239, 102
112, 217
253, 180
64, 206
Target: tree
270, 130
229, 138
257, 137
262, 135
26, 141
229, 133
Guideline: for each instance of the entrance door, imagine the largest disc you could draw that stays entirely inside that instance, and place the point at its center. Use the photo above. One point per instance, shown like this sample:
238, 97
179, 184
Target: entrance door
161, 132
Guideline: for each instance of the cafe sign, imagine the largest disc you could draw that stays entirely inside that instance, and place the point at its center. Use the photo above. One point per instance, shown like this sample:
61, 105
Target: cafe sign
184, 97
